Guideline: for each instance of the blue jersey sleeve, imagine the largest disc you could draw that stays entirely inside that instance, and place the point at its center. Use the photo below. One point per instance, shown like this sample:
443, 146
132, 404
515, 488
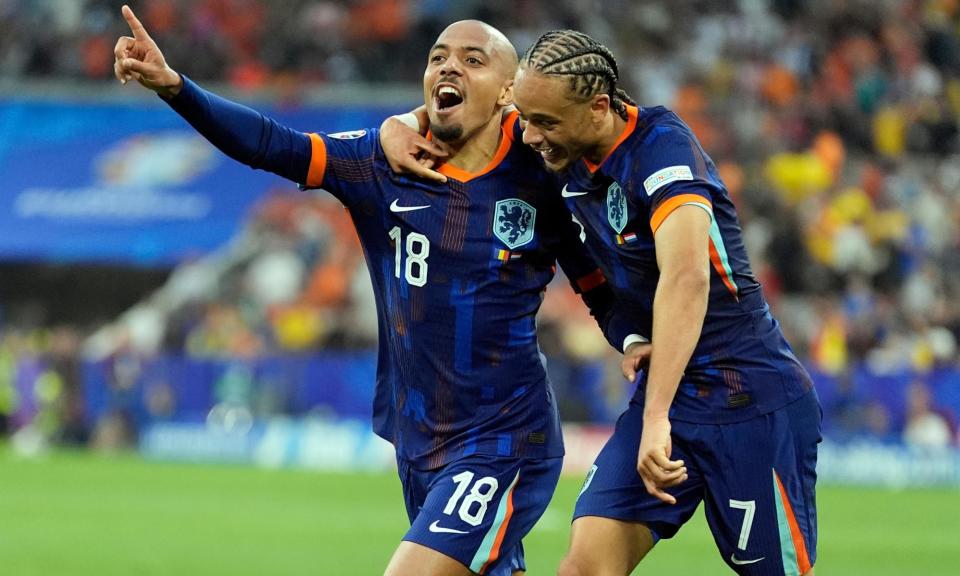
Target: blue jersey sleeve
340, 163
673, 171
585, 276
243, 133
344, 164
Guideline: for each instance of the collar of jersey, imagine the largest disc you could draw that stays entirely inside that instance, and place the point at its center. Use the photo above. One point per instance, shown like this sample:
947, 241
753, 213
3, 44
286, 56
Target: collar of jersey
632, 113
506, 141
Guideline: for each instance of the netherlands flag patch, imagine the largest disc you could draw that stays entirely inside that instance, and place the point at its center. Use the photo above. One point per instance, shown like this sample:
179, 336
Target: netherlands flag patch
626, 238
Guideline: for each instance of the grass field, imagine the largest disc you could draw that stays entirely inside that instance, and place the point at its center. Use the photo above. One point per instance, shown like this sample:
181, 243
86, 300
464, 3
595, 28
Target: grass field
82, 515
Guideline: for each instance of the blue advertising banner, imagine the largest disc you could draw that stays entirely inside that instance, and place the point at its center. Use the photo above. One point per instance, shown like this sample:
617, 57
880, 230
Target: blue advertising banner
129, 183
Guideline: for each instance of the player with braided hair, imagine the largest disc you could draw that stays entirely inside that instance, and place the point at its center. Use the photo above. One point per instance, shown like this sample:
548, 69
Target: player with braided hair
725, 413
588, 65
459, 269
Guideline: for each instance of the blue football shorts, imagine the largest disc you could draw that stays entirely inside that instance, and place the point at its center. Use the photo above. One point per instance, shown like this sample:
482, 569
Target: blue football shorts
756, 478
478, 508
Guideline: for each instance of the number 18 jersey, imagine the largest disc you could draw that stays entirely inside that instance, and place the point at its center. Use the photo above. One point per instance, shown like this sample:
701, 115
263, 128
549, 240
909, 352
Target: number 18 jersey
459, 271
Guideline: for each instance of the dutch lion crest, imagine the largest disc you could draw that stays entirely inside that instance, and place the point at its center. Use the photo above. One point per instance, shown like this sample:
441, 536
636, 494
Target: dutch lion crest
616, 207
513, 222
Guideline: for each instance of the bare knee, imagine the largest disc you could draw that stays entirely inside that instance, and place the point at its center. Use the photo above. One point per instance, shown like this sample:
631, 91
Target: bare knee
580, 566
570, 566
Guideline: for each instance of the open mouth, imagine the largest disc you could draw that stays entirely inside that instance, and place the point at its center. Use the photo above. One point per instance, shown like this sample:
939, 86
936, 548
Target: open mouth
549, 153
447, 97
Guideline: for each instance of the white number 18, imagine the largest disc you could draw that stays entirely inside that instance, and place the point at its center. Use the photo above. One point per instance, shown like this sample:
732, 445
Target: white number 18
482, 492
418, 249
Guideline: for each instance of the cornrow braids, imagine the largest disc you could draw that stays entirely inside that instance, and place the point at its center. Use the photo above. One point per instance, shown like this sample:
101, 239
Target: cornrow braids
590, 65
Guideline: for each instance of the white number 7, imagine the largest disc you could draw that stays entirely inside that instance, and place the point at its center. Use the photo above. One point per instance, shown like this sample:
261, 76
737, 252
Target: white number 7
749, 508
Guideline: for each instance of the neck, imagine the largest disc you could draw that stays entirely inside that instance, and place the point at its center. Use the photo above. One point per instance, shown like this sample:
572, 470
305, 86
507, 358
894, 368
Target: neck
609, 132
474, 152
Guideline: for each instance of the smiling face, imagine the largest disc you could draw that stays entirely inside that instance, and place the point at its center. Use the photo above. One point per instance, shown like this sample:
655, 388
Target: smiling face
562, 129
468, 79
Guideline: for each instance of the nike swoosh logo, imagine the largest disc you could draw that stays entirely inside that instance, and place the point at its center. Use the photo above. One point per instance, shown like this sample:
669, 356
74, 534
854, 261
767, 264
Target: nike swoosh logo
733, 558
567, 194
394, 207
441, 530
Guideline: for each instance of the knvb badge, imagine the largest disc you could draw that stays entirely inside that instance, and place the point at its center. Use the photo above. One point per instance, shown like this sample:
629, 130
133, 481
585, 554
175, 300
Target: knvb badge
513, 222
616, 207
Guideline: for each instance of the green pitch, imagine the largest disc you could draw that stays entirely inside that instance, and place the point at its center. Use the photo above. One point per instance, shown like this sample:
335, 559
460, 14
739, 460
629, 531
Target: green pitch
83, 515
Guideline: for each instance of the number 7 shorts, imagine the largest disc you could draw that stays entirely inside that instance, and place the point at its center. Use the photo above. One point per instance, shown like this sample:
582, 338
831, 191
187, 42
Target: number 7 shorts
478, 508
756, 479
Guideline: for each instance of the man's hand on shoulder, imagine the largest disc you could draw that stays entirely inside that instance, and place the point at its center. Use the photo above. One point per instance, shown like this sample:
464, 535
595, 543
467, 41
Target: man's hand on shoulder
407, 150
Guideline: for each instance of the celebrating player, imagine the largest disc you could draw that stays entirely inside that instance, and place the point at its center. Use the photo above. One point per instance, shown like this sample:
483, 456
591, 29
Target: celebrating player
459, 269
725, 414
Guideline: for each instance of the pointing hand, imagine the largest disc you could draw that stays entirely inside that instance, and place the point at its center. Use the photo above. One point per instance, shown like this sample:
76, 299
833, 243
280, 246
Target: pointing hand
140, 59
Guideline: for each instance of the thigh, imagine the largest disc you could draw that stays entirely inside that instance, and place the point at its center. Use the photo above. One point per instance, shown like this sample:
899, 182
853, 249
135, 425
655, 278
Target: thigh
760, 478
606, 546
412, 559
613, 488
477, 510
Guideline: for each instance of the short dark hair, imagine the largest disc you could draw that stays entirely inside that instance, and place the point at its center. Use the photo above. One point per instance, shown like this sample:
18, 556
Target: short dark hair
590, 65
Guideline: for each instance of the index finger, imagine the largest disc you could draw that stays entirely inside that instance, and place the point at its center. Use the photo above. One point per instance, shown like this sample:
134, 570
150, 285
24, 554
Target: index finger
668, 465
429, 147
656, 492
628, 367
139, 32
424, 172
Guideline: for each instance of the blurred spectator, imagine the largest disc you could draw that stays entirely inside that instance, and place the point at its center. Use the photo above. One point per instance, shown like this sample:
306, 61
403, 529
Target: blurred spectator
925, 427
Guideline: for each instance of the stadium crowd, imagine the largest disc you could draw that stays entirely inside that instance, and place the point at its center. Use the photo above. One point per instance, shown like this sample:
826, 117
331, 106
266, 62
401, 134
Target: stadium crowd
833, 123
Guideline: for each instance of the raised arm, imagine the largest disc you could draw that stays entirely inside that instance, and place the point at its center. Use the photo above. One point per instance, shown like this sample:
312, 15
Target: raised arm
240, 132
138, 58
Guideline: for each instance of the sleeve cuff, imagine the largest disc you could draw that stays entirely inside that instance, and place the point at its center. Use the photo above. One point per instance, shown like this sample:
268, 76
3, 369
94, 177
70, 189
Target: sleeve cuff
633, 339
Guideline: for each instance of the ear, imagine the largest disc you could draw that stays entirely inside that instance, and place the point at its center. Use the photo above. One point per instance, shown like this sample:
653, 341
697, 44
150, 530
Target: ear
506, 93
600, 107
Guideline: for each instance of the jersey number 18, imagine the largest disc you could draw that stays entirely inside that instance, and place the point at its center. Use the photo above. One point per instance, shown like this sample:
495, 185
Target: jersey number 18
418, 249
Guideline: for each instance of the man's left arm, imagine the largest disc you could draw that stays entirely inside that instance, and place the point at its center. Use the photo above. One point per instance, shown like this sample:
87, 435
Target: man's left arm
679, 306
588, 281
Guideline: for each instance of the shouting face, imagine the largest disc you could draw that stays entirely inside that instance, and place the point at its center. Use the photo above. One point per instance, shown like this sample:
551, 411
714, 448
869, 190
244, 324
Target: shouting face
468, 79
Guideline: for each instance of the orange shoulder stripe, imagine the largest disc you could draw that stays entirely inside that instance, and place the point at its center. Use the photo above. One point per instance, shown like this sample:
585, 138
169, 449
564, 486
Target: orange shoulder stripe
671, 204
318, 161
